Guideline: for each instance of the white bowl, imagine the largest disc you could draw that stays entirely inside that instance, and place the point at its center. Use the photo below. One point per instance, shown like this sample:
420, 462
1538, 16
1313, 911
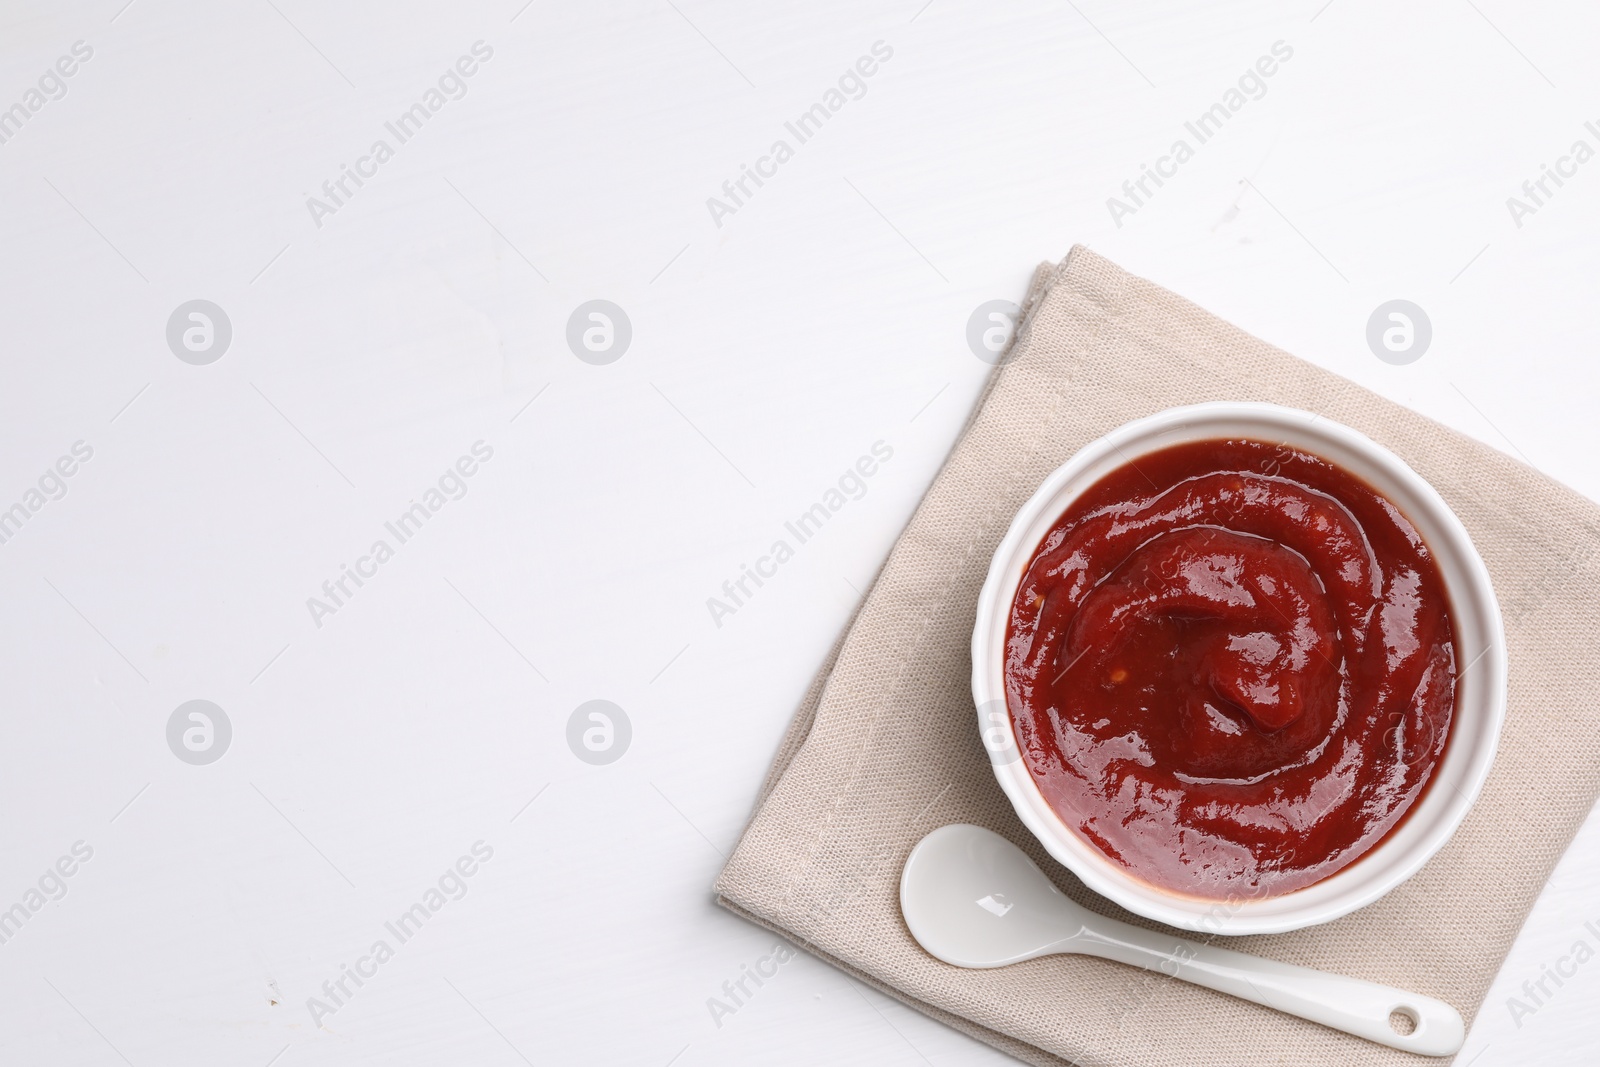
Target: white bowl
1480, 691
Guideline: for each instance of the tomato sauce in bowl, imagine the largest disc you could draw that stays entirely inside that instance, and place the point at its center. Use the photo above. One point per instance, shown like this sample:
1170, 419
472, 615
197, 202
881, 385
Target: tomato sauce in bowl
1231, 667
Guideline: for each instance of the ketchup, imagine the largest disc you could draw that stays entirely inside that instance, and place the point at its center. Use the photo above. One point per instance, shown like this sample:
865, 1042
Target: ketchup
1230, 666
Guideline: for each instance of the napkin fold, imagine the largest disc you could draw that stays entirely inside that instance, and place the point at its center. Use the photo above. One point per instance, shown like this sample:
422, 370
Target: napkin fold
885, 747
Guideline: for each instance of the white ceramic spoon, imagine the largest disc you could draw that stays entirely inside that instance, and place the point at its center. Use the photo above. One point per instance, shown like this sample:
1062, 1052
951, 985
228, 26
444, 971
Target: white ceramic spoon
973, 899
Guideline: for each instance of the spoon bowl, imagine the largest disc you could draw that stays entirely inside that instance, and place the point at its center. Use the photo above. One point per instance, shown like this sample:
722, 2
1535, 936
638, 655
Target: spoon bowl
973, 899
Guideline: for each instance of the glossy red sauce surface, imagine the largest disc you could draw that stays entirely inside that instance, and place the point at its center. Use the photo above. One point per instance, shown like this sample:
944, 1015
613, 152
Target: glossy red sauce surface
1230, 666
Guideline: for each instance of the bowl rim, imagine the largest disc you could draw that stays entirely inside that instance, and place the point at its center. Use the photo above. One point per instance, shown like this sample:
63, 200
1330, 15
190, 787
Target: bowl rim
1474, 733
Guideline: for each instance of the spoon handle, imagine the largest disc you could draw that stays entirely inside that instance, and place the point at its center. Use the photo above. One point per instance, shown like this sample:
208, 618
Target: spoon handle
1348, 1004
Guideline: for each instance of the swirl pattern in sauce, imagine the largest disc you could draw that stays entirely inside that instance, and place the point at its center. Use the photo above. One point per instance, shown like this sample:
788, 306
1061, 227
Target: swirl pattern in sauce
1230, 666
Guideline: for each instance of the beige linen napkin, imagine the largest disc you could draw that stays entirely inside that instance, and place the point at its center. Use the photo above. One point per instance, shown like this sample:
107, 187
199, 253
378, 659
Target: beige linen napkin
885, 746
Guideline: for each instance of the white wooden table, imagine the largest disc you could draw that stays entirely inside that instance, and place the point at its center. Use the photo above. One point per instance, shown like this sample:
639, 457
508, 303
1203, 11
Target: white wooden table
390, 326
